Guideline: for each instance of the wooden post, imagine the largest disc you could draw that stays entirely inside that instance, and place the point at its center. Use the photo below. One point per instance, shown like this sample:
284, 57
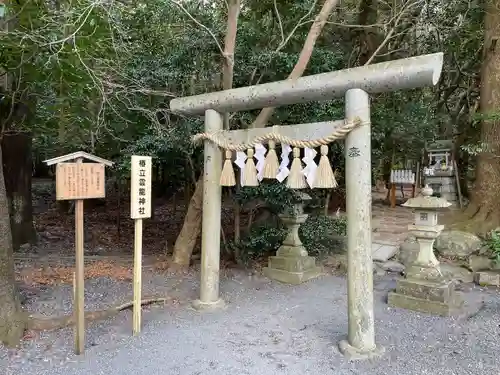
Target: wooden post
136, 320
393, 195
79, 303
457, 180
78, 181
140, 208
418, 177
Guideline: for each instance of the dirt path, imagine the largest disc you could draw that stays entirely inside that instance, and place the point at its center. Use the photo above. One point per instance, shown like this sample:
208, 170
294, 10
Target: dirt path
267, 328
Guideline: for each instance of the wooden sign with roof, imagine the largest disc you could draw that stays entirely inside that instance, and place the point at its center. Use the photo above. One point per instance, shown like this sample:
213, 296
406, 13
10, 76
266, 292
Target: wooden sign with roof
77, 180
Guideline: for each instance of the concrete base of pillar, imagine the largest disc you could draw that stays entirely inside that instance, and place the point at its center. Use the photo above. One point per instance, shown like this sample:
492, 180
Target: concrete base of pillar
208, 306
355, 354
292, 269
433, 297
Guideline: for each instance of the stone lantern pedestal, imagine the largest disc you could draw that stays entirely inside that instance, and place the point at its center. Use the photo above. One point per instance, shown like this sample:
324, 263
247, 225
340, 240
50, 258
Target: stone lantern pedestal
424, 288
292, 264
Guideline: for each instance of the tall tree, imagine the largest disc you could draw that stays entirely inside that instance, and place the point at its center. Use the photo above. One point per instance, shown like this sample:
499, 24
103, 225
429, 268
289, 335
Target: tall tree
18, 168
186, 240
12, 318
192, 221
483, 212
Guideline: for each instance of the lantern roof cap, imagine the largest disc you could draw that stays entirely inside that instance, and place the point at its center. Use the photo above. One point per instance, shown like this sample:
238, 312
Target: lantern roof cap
426, 201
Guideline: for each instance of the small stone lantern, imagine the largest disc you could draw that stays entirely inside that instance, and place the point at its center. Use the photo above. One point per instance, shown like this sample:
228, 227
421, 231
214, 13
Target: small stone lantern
424, 288
292, 264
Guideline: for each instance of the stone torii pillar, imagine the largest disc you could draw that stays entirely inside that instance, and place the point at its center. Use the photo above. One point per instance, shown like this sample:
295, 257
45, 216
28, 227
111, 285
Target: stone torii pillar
355, 84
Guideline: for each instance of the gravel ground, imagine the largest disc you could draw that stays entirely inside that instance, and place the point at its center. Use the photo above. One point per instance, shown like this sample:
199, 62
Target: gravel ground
267, 328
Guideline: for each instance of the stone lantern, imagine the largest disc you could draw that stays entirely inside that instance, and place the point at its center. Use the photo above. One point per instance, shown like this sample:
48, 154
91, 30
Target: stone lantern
424, 288
292, 264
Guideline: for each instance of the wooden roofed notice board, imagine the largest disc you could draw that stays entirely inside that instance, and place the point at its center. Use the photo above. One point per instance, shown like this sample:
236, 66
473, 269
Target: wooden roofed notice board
76, 180
80, 181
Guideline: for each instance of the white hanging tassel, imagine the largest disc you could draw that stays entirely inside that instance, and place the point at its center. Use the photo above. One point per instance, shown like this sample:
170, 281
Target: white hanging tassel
325, 178
227, 177
260, 155
241, 158
296, 179
250, 172
283, 170
310, 169
271, 165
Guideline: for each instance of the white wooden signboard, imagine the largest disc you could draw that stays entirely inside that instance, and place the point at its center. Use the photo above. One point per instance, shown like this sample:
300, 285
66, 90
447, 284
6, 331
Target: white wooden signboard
140, 188
140, 208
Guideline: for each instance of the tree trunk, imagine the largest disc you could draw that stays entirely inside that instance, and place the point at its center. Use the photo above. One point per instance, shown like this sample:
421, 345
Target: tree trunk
18, 166
186, 241
191, 228
483, 212
368, 37
304, 57
227, 83
11, 315
229, 46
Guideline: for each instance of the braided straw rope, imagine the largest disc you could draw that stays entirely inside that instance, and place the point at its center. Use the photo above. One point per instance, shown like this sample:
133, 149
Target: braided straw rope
223, 143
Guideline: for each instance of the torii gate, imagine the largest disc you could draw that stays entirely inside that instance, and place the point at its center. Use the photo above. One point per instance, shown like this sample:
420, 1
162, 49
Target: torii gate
356, 84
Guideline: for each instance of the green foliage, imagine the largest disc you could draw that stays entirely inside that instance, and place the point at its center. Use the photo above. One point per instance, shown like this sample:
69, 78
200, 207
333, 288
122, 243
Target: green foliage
494, 245
320, 235
277, 196
262, 240
98, 76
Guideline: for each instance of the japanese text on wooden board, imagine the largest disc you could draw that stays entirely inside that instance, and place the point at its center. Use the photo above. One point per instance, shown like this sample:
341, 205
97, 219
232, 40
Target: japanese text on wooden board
80, 181
140, 192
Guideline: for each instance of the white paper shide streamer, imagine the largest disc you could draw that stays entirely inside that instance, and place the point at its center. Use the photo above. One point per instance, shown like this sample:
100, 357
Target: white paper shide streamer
260, 155
283, 170
241, 158
309, 170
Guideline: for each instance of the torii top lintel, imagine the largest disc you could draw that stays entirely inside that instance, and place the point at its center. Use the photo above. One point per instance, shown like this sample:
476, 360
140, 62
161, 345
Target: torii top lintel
403, 74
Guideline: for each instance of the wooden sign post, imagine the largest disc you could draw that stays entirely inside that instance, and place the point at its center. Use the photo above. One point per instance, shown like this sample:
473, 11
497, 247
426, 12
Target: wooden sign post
140, 208
78, 181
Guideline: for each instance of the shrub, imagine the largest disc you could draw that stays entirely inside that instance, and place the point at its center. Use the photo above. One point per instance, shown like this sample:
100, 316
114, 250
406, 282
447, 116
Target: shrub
494, 245
262, 240
321, 236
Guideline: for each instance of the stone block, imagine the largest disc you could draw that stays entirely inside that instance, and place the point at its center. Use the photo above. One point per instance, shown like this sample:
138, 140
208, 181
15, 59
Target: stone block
487, 278
480, 263
426, 306
392, 266
382, 253
450, 189
436, 298
450, 197
292, 264
426, 290
292, 270
456, 272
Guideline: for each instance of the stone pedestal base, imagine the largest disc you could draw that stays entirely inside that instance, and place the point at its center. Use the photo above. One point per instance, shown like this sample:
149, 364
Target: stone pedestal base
354, 354
292, 269
208, 306
427, 296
